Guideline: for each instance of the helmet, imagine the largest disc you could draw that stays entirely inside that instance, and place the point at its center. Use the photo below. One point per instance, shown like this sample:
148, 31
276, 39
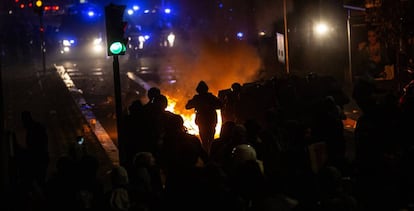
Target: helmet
236, 87
243, 152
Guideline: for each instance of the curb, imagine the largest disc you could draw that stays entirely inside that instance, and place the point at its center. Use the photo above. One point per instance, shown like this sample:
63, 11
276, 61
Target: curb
100, 133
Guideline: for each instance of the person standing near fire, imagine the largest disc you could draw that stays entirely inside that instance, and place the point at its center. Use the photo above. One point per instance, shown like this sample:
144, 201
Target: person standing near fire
205, 105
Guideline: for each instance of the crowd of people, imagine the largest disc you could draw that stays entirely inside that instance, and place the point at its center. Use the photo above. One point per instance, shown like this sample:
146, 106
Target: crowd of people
281, 147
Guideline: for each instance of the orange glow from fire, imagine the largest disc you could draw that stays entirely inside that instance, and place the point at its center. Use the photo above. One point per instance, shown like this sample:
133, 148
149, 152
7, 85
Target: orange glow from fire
218, 64
189, 117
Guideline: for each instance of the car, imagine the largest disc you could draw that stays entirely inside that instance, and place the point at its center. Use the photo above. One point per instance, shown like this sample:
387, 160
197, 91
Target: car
86, 46
81, 33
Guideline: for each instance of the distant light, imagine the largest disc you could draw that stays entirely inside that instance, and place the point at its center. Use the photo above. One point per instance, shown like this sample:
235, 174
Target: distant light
146, 11
39, 3
171, 39
91, 13
66, 43
21, 6
141, 40
130, 12
262, 33
97, 41
167, 10
240, 35
135, 7
220, 5
97, 48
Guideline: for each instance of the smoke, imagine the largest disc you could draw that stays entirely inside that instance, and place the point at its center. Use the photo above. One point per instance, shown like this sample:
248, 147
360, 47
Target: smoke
268, 12
218, 64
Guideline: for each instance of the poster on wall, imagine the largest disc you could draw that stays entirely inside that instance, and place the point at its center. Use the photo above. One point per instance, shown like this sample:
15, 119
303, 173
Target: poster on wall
280, 40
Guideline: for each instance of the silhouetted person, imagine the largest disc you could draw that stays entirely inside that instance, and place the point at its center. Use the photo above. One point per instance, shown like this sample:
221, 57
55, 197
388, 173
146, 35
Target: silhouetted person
327, 125
37, 150
61, 186
145, 182
134, 129
152, 93
205, 105
152, 122
332, 191
180, 149
222, 146
232, 104
183, 158
377, 153
117, 198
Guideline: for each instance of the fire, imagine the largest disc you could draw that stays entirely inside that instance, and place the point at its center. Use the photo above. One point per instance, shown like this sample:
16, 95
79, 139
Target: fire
189, 117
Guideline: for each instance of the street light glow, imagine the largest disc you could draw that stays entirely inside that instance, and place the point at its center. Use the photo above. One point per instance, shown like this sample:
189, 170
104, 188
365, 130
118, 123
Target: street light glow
321, 29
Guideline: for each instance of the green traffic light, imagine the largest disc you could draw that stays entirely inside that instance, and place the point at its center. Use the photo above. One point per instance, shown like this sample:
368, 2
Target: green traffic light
117, 48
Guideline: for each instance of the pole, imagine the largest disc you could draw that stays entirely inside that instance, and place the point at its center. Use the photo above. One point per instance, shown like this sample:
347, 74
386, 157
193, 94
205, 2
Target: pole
348, 27
286, 38
118, 107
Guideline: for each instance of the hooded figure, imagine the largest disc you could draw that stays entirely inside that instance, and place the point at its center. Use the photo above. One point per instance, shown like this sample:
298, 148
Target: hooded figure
205, 105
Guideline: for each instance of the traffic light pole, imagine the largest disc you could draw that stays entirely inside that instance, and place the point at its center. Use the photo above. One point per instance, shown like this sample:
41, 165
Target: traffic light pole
118, 108
116, 45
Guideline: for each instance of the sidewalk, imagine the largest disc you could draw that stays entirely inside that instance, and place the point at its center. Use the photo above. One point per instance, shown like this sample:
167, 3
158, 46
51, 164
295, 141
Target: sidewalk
50, 102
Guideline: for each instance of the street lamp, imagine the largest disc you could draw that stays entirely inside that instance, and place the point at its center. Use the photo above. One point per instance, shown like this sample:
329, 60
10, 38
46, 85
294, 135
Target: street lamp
321, 29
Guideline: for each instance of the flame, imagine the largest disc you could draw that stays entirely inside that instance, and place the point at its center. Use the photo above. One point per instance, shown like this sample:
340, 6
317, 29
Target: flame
189, 117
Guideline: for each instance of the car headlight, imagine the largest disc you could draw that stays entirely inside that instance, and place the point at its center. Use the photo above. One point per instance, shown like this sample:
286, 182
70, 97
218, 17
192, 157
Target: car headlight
97, 45
65, 50
97, 48
68, 42
97, 41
